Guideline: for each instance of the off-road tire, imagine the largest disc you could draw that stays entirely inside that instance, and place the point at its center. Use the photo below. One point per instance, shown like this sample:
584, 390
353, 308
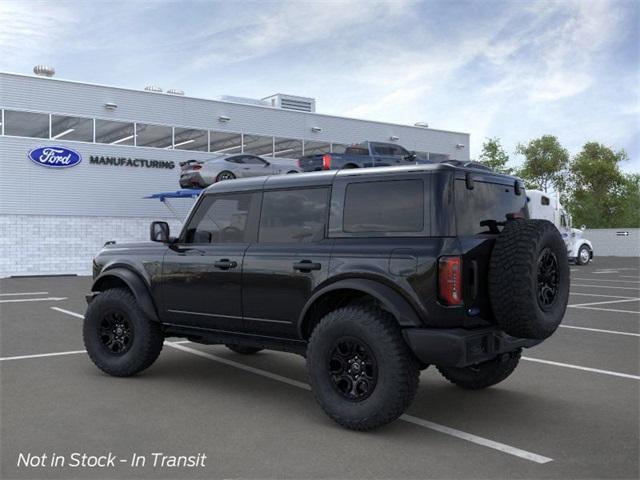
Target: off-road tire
514, 278
146, 342
397, 368
579, 260
483, 375
244, 350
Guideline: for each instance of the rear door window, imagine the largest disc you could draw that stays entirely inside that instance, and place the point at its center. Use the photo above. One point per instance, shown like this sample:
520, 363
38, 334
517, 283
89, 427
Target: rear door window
395, 206
293, 216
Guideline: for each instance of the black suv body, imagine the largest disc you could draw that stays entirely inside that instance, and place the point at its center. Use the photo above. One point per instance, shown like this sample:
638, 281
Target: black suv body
407, 252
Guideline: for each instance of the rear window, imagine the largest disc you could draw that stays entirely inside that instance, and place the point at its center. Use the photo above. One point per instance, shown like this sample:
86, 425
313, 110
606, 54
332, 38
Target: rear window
357, 150
386, 206
487, 201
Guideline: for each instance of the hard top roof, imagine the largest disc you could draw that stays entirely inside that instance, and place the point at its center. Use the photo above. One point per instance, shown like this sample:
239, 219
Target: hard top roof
325, 178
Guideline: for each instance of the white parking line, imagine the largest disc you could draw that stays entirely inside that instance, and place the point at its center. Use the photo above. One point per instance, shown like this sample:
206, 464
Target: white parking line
597, 295
613, 310
600, 330
604, 302
41, 355
606, 280
606, 286
628, 276
578, 367
62, 310
48, 299
407, 418
23, 293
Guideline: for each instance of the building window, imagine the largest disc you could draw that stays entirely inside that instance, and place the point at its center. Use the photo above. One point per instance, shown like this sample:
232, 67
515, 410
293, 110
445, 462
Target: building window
190, 139
294, 216
157, 136
399, 207
114, 133
26, 124
287, 148
225, 142
258, 145
71, 128
338, 147
316, 148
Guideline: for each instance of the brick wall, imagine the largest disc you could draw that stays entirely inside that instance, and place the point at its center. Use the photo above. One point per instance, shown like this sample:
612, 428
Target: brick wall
43, 244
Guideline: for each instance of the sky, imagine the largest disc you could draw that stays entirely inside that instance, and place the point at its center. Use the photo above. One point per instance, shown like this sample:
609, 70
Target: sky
514, 70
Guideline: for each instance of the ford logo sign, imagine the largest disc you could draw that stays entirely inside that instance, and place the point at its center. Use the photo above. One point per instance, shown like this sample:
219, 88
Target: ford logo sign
55, 157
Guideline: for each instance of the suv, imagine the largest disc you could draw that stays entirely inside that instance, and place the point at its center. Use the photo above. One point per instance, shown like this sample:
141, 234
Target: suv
371, 274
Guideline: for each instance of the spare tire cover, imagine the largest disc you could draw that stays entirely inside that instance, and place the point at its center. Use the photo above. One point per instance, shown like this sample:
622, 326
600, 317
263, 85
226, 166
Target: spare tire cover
529, 278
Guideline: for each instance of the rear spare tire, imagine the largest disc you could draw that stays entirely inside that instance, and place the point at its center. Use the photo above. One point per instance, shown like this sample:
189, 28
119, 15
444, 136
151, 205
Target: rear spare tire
529, 279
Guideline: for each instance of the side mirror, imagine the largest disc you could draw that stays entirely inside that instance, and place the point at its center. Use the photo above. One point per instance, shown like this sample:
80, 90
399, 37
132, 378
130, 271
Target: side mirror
159, 232
266, 164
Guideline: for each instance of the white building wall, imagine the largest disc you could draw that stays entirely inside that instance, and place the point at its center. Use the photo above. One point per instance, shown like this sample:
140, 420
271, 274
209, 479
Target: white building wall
63, 244
53, 221
608, 242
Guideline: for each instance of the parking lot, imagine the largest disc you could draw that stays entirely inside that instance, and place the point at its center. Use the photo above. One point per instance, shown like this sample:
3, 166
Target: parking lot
569, 411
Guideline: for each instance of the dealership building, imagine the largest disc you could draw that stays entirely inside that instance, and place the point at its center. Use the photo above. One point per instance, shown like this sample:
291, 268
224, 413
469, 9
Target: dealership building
127, 144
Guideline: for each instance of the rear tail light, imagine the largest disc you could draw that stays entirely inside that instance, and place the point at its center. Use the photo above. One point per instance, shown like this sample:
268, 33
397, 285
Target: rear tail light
196, 167
450, 280
299, 161
326, 162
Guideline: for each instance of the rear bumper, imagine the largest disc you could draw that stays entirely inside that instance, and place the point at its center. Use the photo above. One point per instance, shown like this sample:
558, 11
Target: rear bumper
459, 347
190, 180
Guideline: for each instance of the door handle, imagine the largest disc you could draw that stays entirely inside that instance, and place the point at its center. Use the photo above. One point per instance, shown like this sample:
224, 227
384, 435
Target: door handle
306, 266
225, 264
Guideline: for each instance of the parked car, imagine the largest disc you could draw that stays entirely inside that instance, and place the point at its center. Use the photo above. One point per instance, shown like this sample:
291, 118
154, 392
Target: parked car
202, 173
371, 274
544, 206
366, 154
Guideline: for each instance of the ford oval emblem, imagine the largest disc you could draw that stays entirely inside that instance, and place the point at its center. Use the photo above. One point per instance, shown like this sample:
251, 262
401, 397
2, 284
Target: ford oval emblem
55, 157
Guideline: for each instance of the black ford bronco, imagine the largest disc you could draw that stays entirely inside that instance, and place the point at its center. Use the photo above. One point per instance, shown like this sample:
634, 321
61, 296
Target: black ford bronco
371, 274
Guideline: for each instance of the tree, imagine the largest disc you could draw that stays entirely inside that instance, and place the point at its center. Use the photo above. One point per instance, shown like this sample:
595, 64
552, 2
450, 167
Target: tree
494, 156
545, 163
601, 196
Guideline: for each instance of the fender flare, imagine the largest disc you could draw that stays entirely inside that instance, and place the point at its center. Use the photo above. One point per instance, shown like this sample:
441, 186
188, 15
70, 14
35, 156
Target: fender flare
136, 285
392, 301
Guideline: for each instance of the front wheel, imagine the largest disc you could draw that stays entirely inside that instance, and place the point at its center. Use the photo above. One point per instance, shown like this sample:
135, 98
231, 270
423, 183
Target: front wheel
584, 255
361, 371
483, 375
119, 338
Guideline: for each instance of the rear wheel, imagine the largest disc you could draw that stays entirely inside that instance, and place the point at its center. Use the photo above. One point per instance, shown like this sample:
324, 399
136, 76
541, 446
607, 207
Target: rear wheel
234, 347
584, 255
362, 373
482, 375
225, 175
118, 337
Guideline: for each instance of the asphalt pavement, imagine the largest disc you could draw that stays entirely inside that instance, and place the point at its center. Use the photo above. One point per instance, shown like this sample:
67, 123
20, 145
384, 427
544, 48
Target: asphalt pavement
571, 409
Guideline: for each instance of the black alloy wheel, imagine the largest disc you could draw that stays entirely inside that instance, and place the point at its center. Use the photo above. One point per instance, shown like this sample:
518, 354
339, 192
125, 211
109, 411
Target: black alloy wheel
547, 278
353, 369
116, 332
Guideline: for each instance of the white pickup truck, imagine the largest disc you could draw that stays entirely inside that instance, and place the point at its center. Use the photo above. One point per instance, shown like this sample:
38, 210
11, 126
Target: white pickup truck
544, 206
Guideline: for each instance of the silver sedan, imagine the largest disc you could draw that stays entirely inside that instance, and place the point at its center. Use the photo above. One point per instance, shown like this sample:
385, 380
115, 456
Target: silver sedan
202, 173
